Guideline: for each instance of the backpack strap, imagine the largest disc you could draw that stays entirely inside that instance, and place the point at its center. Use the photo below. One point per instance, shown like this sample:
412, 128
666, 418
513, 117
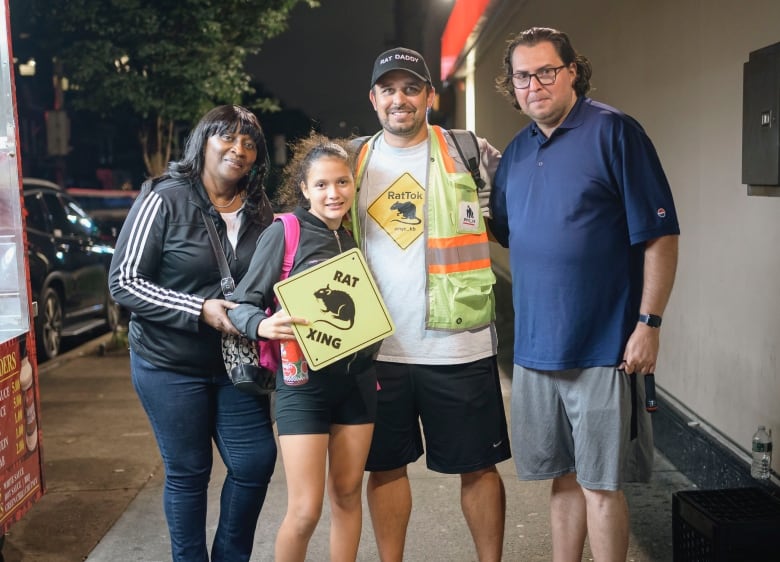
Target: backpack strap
359, 146
292, 234
470, 155
357, 143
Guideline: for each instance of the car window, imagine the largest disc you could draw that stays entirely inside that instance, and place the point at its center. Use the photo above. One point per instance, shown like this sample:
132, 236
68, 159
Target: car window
95, 203
36, 212
67, 216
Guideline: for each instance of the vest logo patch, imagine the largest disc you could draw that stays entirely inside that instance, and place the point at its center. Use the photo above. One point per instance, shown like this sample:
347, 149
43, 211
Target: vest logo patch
399, 210
467, 217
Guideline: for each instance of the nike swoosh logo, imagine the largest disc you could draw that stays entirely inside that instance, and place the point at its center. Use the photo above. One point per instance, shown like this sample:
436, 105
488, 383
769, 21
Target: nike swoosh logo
497, 444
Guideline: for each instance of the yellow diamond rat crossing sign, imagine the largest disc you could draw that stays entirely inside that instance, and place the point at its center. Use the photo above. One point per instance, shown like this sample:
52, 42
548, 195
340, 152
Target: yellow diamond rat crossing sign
399, 210
342, 303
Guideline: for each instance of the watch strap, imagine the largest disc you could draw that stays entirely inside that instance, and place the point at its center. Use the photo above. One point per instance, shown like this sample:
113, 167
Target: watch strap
652, 320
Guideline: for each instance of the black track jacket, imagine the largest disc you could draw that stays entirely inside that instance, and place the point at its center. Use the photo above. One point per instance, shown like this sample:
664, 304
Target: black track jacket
164, 268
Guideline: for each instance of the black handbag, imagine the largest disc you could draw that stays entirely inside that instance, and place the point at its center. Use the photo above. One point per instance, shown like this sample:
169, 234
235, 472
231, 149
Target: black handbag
246, 369
244, 366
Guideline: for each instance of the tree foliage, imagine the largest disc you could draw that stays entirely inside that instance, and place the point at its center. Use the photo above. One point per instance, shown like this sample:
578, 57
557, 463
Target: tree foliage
165, 61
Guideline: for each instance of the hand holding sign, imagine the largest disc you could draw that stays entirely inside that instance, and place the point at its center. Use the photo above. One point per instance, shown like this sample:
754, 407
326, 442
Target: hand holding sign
342, 303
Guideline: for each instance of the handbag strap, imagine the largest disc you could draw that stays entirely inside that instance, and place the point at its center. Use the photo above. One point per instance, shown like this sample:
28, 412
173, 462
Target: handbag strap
224, 270
292, 235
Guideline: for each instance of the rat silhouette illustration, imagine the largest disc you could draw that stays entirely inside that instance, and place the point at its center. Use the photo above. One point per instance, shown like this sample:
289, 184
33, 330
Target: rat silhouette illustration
408, 211
339, 304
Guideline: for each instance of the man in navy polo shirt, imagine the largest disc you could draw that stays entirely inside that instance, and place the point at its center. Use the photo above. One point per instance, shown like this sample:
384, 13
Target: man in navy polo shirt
584, 206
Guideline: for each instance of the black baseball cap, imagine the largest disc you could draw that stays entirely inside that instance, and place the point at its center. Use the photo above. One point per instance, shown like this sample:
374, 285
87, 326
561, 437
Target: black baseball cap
400, 59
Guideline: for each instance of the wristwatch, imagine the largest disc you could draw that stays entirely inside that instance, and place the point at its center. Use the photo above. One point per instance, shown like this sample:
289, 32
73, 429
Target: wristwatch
652, 320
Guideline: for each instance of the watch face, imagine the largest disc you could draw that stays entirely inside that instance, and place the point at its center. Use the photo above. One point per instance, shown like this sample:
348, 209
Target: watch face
651, 320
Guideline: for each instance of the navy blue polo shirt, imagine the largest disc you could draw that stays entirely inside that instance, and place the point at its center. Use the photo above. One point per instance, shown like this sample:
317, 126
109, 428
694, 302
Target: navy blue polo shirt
575, 211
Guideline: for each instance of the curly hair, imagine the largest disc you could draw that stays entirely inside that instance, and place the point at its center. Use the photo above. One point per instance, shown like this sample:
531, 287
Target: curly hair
305, 152
232, 119
534, 36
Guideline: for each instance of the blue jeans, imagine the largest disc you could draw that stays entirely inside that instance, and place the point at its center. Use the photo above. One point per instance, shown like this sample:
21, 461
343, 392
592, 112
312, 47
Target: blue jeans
186, 413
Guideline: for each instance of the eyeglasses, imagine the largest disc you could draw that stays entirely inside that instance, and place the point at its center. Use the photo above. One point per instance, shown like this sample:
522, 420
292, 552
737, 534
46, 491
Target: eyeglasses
545, 76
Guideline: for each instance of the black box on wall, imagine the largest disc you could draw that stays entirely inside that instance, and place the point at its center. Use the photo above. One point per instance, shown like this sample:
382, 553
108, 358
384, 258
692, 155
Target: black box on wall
760, 126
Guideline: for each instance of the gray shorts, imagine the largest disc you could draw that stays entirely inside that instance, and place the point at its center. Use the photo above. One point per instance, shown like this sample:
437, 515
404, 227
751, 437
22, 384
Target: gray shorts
579, 420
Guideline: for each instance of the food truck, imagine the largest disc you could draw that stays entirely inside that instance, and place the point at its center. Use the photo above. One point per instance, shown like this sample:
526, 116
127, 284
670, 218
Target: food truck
21, 461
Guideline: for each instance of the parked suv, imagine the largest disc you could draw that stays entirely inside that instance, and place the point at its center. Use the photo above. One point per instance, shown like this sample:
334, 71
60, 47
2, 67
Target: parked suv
69, 260
109, 207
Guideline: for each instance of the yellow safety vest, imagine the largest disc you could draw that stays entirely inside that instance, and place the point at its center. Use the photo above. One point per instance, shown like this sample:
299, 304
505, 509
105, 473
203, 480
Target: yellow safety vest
459, 277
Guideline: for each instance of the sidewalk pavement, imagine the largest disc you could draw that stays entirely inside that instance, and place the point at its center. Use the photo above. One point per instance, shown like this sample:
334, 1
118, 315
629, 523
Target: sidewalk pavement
104, 487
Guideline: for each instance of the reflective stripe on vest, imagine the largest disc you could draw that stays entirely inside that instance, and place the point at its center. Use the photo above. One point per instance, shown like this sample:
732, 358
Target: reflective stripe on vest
462, 253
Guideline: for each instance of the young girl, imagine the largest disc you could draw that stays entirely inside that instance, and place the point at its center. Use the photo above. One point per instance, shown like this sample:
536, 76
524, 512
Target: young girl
331, 416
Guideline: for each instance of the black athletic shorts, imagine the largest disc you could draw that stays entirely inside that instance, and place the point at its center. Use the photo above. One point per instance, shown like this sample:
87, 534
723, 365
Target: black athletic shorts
460, 408
326, 399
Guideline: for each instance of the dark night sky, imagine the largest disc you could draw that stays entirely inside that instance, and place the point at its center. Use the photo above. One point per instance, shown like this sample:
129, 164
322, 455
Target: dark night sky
322, 64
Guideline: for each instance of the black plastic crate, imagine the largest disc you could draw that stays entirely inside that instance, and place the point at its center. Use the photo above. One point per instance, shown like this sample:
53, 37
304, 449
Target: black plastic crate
734, 525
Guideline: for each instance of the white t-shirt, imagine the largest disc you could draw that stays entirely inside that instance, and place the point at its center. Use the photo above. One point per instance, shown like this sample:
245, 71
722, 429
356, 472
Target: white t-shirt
233, 223
391, 207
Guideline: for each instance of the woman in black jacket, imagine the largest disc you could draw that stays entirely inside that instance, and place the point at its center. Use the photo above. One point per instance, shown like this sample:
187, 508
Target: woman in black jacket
325, 417
165, 271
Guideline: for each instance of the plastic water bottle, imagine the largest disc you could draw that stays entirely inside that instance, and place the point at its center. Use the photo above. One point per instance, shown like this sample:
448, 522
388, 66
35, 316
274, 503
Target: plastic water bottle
762, 454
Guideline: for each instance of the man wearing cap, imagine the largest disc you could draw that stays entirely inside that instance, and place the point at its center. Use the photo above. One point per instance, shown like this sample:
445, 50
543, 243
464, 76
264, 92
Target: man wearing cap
418, 219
